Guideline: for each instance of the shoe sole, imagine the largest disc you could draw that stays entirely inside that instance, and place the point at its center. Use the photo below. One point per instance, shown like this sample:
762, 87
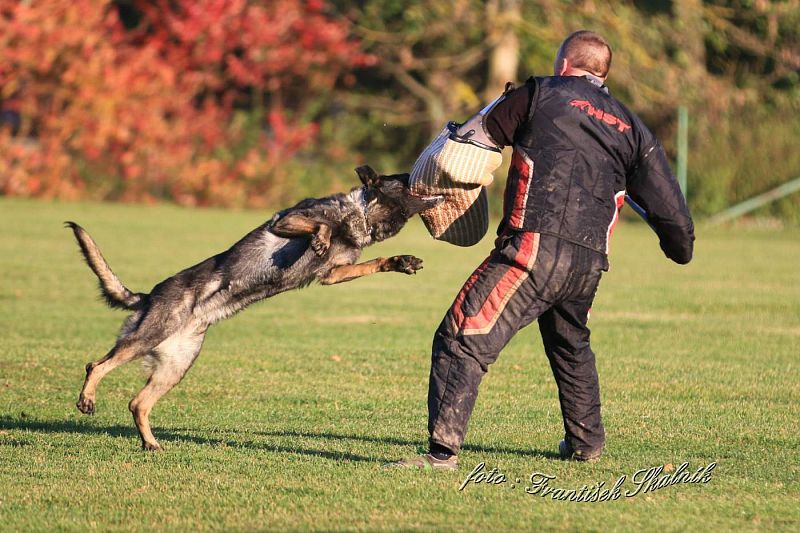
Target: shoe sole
423, 463
566, 454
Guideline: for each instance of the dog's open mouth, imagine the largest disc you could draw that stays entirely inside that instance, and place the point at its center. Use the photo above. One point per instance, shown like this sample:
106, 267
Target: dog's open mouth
424, 202
432, 200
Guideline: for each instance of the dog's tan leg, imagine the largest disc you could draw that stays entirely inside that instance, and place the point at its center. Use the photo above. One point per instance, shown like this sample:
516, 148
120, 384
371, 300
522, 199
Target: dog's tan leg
120, 354
407, 264
157, 386
140, 333
171, 360
296, 225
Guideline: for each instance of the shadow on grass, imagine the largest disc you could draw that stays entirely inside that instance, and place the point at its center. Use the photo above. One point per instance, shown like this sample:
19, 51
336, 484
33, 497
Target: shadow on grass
403, 442
184, 435
71, 426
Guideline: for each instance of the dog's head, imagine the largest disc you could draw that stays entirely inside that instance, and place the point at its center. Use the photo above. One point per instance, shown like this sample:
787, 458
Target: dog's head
390, 202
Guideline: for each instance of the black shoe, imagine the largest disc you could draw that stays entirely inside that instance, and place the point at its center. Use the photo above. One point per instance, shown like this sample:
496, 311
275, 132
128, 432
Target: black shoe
568, 454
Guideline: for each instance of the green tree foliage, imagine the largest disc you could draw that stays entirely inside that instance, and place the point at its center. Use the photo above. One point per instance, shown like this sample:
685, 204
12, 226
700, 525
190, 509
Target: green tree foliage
734, 64
372, 81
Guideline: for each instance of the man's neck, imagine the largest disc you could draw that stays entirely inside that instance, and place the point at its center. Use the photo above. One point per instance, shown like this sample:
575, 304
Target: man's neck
597, 81
580, 73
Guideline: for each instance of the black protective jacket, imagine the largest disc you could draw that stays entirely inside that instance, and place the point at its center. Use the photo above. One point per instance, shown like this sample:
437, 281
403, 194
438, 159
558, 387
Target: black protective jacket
577, 152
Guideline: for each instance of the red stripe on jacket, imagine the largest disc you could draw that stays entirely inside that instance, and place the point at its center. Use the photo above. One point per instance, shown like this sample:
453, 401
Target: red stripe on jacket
524, 167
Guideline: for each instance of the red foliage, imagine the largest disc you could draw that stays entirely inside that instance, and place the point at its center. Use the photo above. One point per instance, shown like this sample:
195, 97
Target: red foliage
151, 112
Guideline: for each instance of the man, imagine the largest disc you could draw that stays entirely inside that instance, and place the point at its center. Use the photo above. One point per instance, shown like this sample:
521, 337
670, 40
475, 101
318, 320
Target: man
577, 151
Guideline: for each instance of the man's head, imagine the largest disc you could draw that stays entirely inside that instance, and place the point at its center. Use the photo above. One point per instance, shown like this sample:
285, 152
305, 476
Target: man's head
583, 52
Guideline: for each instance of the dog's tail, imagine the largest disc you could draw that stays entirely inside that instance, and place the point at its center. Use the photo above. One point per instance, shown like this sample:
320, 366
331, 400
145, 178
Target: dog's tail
115, 293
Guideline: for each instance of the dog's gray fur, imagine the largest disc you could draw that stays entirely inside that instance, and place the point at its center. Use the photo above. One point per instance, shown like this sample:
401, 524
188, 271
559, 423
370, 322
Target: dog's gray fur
318, 239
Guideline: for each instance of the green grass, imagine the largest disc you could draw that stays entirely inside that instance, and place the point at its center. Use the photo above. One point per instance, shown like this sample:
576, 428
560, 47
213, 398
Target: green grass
287, 416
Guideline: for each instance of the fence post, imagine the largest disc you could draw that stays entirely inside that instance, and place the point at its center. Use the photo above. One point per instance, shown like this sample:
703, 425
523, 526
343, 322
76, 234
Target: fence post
683, 146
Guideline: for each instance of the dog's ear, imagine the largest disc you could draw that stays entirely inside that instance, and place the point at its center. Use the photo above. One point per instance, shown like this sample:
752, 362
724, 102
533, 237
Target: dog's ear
368, 176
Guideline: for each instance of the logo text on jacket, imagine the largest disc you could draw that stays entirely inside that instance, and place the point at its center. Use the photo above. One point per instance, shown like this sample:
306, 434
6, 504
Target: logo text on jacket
599, 114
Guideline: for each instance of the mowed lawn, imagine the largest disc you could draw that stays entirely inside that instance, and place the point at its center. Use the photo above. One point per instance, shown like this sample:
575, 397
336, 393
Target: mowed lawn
287, 416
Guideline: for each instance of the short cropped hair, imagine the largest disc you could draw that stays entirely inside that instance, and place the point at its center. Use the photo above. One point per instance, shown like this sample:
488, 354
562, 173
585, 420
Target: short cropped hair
587, 51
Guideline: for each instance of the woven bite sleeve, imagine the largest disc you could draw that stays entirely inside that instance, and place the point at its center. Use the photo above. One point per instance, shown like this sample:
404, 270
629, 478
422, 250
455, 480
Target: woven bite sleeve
458, 171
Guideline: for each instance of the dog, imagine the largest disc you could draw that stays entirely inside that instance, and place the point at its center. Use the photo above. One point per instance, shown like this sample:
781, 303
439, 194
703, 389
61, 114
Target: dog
316, 240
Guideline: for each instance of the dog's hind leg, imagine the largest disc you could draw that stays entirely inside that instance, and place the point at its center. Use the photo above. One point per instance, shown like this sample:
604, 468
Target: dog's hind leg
125, 350
140, 334
170, 361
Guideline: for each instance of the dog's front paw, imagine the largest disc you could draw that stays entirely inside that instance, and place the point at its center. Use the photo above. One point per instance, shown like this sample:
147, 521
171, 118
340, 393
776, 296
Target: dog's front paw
320, 244
407, 264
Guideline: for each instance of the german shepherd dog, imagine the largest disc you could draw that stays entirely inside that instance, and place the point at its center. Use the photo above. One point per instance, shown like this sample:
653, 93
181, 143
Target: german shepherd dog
318, 239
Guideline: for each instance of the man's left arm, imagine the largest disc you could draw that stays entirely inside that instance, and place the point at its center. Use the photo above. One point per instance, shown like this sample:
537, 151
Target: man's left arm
653, 186
508, 115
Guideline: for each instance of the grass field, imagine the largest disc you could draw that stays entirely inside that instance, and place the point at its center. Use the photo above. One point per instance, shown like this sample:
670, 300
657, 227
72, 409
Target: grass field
293, 406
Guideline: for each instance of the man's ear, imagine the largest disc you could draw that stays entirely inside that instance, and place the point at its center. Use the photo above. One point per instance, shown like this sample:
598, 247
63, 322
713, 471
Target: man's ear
367, 176
564, 66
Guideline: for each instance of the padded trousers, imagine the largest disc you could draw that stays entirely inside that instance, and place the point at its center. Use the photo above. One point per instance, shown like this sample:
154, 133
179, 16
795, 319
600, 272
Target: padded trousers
528, 276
